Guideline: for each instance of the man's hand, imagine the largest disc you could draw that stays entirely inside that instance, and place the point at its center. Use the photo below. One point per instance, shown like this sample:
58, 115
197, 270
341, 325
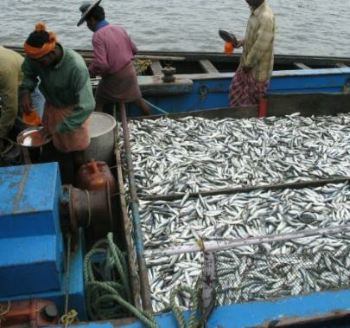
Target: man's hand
246, 69
240, 44
26, 102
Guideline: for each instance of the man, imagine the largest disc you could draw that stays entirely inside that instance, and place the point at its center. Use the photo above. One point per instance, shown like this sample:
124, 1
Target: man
65, 84
113, 55
251, 80
10, 79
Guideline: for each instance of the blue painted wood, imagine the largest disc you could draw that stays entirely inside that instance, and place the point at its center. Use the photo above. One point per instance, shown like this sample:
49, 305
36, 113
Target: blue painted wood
31, 245
29, 200
260, 313
29, 265
212, 92
76, 286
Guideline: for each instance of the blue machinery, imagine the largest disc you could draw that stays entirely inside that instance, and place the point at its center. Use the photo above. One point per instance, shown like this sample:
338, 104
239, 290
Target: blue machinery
32, 254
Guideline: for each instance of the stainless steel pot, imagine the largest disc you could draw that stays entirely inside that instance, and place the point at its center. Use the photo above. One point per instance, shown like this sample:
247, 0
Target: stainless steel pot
102, 131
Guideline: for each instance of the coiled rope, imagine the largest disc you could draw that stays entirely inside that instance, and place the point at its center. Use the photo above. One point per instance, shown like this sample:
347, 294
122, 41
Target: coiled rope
194, 320
107, 285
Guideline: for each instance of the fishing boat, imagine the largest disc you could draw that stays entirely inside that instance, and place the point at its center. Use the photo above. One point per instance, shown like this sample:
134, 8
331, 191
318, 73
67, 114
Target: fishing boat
190, 81
40, 222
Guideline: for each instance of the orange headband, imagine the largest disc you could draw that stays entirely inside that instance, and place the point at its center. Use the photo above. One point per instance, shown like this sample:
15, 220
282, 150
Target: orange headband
37, 53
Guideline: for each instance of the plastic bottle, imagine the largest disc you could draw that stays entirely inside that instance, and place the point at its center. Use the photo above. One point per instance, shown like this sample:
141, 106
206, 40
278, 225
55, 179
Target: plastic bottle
32, 118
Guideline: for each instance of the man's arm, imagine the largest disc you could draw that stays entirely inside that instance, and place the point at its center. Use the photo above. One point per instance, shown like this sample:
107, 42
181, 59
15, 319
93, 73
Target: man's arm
99, 64
133, 47
85, 101
29, 83
263, 42
9, 96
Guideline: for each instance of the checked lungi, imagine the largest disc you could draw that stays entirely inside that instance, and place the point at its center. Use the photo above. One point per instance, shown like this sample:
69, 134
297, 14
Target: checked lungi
245, 90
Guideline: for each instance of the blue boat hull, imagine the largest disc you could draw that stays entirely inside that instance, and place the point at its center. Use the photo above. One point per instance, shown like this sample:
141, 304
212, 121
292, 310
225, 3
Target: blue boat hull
200, 92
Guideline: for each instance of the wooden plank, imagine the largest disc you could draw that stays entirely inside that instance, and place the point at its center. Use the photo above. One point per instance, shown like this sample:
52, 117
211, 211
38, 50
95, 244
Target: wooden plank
341, 65
221, 57
208, 66
302, 66
127, 235
165, 57
278, 105
156, 67
215, 113
309, 104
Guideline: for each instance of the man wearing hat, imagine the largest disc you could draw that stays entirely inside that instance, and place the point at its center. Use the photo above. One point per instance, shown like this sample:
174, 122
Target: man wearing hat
113, 55
65, 84
250, 83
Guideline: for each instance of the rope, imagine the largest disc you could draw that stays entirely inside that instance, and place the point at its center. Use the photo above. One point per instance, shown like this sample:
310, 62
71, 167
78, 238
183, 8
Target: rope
11, 144
156, 107
193, 321
4, 310
141, 65
107, 284
71, 316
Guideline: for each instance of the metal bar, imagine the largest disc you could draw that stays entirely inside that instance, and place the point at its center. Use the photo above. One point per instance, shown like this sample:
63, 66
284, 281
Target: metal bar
215, 246
145, 288
294, 185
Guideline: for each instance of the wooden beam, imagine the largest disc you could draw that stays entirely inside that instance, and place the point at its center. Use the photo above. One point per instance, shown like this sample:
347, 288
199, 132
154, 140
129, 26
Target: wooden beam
208, 66
156, 67
302, 66
341, 65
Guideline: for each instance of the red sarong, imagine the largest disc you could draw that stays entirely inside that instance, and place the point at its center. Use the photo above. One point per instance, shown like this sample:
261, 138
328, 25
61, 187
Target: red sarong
76, 140
245, 90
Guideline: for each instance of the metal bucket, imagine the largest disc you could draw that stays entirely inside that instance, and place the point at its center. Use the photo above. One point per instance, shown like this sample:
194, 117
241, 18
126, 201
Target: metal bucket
102, 132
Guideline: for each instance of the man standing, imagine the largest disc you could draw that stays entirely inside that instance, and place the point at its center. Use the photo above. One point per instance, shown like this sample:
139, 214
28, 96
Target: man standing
113, 55
10, 79
250, 83
65, 84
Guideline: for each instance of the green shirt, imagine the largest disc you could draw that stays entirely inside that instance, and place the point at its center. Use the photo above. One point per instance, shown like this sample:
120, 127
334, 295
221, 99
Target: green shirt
10, 79
65, 84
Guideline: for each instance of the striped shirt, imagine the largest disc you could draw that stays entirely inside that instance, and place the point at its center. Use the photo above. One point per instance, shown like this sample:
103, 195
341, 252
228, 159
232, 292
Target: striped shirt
258, 42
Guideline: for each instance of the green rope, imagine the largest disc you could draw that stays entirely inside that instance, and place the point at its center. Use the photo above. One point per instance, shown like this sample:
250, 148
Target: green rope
106, 297
108, 293
7, 148
193, 322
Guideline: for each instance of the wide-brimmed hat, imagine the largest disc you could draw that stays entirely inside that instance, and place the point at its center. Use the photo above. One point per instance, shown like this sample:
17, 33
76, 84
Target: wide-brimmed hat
86, 8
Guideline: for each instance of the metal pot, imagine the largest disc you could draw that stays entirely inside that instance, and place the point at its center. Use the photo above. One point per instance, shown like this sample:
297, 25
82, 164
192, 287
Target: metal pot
102, 132
32, 138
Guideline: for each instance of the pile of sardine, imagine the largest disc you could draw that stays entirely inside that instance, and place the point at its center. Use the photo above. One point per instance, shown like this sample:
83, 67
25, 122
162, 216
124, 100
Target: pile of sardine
252, 272
197, 154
